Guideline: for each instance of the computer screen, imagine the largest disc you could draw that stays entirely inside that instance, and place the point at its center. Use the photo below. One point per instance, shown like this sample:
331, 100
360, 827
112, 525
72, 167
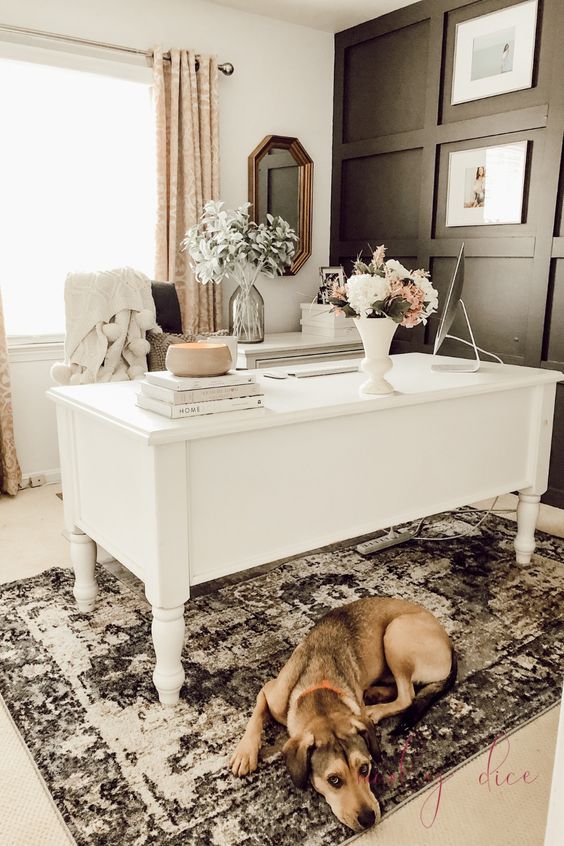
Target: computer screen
451, 303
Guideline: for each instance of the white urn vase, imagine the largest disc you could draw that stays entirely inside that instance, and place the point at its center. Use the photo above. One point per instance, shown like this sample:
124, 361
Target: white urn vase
376, 334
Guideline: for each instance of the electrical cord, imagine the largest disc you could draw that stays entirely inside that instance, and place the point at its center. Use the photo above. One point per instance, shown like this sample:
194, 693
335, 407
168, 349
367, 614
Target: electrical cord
468, 344
490, 510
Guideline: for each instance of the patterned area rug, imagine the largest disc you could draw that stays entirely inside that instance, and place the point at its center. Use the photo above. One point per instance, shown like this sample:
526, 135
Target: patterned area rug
124, 771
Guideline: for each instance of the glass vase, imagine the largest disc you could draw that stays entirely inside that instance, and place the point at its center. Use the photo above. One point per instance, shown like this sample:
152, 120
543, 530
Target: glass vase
246, 309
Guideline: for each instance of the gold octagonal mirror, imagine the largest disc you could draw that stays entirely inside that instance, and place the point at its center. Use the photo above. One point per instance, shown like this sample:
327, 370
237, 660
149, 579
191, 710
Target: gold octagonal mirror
281, 183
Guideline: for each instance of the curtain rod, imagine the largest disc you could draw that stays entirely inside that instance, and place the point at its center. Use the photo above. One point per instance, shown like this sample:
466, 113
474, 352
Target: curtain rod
226, 68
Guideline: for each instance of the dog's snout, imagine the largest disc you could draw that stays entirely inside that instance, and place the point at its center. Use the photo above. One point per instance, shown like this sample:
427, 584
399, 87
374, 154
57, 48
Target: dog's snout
366, 818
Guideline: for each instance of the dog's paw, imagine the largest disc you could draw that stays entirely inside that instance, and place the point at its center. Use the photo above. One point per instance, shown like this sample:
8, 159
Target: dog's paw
375, 714
245, 758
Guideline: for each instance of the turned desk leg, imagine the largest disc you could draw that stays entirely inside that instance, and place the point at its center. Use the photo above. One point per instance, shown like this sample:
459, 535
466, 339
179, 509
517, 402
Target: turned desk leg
83, 557
168, 640
527, 516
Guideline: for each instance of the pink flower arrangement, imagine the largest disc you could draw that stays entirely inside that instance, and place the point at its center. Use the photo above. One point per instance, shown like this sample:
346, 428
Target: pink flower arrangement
386, 289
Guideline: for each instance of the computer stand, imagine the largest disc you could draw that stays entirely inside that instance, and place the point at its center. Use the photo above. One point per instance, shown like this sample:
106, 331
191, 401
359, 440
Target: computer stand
466, 367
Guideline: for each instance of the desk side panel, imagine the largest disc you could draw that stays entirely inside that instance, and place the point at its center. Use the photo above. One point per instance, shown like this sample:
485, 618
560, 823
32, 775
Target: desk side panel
113, 480
263, 495
131, 498
541, 437
69, 478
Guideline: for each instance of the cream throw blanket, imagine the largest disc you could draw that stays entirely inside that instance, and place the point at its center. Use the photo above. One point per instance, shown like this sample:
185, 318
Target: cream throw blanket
107, 315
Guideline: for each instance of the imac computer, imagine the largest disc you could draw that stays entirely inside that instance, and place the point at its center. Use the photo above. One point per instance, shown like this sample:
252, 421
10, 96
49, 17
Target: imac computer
453, 300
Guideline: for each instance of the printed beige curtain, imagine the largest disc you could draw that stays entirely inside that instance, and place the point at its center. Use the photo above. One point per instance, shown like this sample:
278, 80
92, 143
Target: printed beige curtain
10, 473
186, 103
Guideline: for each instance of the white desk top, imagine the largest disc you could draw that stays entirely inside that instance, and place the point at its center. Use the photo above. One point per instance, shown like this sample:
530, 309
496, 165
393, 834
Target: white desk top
298, 400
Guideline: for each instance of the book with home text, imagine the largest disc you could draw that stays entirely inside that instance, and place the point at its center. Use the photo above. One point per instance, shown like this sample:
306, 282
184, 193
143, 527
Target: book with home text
196, 409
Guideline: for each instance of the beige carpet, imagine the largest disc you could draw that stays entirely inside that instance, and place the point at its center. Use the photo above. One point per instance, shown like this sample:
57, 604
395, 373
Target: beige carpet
469, 813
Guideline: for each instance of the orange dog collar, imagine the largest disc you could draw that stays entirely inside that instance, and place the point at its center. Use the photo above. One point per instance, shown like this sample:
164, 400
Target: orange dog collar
323, 685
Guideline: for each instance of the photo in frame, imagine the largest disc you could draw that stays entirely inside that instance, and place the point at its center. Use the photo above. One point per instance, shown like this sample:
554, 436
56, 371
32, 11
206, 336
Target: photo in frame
493, 54
486, 185
329, 276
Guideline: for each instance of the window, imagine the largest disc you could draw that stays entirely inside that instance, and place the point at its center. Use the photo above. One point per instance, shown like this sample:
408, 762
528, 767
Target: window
77, 186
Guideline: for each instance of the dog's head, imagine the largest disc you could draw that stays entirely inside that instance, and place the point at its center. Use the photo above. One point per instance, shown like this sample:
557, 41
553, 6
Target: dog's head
337, 759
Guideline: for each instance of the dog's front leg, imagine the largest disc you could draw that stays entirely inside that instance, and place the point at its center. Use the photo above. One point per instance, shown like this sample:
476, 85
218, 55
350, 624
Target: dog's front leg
405, 696
273, 699
245, 758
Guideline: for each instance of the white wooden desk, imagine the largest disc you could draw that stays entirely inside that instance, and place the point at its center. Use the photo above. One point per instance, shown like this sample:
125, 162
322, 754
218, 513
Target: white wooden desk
179, 502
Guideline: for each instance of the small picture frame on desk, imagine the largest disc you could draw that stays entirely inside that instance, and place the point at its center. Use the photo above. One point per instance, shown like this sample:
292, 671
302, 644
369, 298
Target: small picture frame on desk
329, 276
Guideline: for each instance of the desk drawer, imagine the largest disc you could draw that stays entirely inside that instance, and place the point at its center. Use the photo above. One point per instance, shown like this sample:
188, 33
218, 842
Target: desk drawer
285, 361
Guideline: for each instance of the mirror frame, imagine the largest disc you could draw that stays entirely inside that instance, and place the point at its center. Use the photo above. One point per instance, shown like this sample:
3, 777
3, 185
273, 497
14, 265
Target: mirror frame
305, 191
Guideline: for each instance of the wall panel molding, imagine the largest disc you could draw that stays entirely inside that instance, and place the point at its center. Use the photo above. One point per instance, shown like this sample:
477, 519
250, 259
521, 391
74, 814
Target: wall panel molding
517, 120
523, 255
382, 144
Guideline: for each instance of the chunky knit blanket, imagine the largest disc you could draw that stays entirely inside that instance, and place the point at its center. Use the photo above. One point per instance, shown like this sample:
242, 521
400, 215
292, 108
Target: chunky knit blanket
107, 316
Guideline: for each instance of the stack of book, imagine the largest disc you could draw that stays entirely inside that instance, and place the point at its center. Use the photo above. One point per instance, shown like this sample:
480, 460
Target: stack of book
183, 396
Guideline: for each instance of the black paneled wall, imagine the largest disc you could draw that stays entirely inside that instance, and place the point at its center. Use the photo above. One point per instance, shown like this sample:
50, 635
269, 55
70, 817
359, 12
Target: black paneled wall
394, 127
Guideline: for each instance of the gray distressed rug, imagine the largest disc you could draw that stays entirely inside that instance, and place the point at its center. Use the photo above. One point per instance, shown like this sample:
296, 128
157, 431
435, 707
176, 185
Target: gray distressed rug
124, 771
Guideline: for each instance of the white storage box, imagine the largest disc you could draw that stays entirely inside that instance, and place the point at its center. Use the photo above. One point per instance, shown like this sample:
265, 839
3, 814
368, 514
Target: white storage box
323, 331
320, 320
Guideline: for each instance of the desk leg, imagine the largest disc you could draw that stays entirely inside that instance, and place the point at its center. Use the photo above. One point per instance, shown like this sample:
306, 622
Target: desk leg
527, 516
168, 640
83, 557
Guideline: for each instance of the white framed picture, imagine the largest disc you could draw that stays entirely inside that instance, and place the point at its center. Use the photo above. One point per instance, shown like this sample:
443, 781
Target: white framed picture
485, 185
493, 54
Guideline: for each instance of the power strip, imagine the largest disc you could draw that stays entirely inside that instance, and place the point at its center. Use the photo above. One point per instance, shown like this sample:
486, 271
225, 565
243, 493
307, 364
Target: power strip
385, 539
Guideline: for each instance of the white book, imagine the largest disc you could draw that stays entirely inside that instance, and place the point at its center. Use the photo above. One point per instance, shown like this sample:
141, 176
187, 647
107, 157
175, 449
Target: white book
188, 383
197, 409
199, 394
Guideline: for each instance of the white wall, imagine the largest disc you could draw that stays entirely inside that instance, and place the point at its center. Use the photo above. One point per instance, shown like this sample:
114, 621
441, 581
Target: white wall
283, 84
34, 415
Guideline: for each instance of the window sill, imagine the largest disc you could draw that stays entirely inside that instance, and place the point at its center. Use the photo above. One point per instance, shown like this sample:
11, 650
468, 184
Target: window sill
39, 348
32, 340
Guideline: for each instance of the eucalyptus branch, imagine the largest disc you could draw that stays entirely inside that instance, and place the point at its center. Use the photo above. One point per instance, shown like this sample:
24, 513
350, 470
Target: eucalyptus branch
224, 241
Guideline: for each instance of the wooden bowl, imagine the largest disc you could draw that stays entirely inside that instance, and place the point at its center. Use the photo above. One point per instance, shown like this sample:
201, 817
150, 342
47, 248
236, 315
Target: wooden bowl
198, 359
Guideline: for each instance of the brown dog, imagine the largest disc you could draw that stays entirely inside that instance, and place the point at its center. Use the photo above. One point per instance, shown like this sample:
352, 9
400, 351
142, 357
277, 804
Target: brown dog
372, 650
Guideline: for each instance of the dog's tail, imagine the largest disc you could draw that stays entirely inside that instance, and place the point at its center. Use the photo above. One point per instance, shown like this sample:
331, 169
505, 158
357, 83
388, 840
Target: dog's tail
429, 694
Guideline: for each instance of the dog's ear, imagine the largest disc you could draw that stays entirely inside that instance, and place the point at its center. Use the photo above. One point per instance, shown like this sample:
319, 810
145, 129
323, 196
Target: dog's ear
297, 754
366, 729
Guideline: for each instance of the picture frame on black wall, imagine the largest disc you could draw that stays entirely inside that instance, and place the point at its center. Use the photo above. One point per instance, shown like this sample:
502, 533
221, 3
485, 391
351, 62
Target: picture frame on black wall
493, 54
486, 185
